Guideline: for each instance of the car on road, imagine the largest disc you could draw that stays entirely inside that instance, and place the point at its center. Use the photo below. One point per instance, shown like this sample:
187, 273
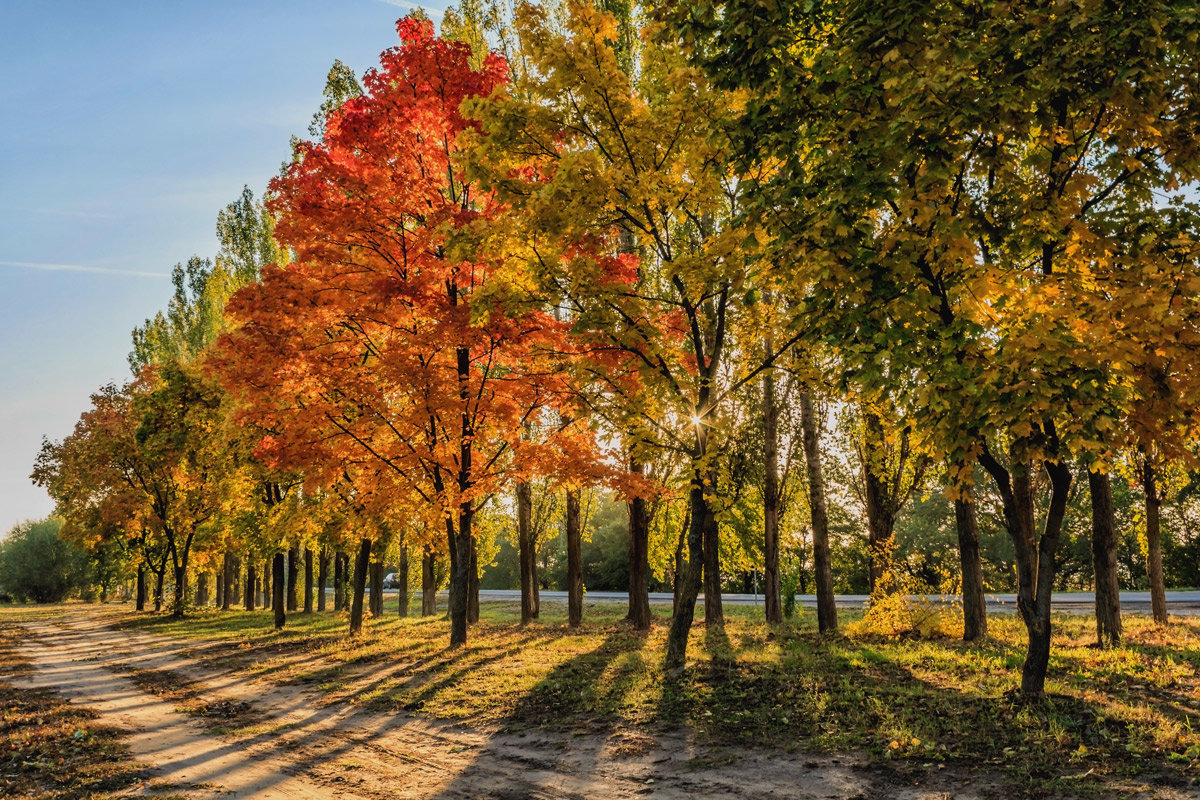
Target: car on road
391, 581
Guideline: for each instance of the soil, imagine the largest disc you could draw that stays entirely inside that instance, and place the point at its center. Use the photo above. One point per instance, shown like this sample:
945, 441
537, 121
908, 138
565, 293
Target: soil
206, 732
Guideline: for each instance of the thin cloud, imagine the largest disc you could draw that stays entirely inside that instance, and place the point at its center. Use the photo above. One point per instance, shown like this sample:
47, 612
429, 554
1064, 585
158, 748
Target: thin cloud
81, 268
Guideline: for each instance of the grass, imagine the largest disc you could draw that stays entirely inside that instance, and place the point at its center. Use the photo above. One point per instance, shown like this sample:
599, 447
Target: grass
1127, 714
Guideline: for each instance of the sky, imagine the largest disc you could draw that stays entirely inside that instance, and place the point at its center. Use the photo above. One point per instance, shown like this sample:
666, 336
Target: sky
125, 126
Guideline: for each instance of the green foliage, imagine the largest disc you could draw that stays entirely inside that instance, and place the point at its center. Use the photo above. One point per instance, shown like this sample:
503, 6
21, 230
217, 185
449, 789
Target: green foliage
37, 564
340, 86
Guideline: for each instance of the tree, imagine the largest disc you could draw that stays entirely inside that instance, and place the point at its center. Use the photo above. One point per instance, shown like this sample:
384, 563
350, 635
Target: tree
975, 194
37, 564
390, 346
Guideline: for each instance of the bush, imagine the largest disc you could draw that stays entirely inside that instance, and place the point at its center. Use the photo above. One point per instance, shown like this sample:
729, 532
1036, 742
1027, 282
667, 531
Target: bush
37, 564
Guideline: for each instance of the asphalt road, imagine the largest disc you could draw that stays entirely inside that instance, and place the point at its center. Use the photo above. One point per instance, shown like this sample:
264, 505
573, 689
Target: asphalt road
1185, 603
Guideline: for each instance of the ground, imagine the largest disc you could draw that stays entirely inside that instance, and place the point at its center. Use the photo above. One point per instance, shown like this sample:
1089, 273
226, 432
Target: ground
219, 706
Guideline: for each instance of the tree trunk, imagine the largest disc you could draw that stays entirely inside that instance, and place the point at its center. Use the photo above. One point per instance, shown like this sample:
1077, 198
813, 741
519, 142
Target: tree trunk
459, 542
293, 579
714, 612
140, 602
360, 582
974, 603
473, 584
268, 583
1104, 561
689, 585
259, 592
680, 565
278, 582
377, 588
179, 604
230, 596
428, 590
772, 587
526, 555
346, 581
1034, 556
322, 577
251, 579
403, 599
1154, 565
220, 596
202, 590
881, 520
309, 578
158, 587
339, 579
822, 556
574, 561
639, 556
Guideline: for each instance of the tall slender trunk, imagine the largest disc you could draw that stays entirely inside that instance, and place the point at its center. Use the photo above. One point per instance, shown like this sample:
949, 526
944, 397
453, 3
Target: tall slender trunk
278, 582
689, 585
293, 579
402, 603
1154, 564
361, 565
259, 594
772, 586
1104, 561
377, 588
428, 589
322, 577
339, 581
526, 555
714, 611
308, 580
473, 584
1034, 556
639, 556
202, 589
158, 587
268, 583
881, 518
251, 579
459, 541
822, 556
179, 604
680, 563
974, 603
574, 560
222, 573
140, 602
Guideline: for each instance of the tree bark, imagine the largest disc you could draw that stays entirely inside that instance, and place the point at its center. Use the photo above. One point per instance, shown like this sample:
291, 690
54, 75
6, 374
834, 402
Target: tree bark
822, 556
459, 541
714, 611
680, 564
158, 587
251, 578
574, 561
221, 573
526, 555
202, 590
1104, 561
322, 577
639, 556
140, 601
278, 580
1034, 556
403, 599
689, 585
339, 580
268, 583
473, 584
974, 603
179, 604
377, 588
881, 519
293, 579
1154, 564
308, 580
428, 589
772, 586
361, 565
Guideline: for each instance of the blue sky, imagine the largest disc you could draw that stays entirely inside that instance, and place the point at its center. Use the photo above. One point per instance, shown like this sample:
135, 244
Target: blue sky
125, 126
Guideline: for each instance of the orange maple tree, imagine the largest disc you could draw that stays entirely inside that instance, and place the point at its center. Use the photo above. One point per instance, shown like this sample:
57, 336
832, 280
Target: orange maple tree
390, 346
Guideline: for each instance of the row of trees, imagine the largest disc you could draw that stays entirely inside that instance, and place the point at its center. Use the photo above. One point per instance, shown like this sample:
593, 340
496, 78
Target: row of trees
652, 252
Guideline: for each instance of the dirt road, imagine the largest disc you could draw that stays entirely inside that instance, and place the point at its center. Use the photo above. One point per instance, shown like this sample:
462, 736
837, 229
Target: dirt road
211, 732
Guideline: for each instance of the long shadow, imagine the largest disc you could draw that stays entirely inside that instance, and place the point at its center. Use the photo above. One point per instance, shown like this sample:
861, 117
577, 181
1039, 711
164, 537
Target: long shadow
539, 740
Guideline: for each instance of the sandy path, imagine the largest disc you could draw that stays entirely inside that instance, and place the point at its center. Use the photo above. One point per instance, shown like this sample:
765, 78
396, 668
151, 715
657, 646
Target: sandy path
304, 750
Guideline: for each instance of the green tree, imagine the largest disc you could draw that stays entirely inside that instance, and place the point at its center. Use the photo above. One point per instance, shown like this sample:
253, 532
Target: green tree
37, 564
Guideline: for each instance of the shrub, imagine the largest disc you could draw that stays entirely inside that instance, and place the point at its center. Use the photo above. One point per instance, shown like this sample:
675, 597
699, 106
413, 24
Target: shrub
37, 564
